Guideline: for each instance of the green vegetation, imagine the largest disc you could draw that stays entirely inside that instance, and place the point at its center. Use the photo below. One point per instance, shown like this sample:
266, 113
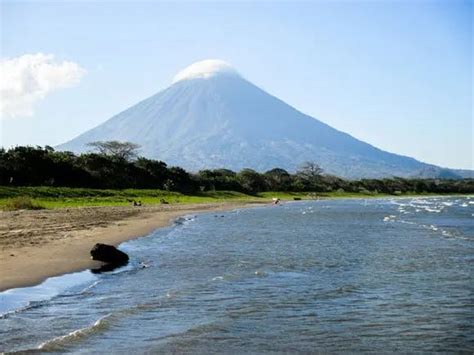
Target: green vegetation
21, 203
115, 176
57, 197
28, 197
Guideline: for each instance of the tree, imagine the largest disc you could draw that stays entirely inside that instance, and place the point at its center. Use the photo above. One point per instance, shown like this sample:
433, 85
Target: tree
309, 178
278, 179
310, 170
180, 180
251, 181
121, 150
218, 179
38, 166
154, 173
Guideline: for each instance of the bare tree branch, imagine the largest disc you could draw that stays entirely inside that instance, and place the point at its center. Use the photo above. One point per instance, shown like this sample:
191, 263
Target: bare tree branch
310, 170
121, 150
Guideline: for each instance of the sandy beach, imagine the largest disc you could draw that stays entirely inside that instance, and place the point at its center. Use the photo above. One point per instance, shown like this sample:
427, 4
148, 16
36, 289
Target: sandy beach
35, 245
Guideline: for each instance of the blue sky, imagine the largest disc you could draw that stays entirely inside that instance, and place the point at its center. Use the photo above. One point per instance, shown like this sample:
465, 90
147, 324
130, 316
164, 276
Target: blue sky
396, 74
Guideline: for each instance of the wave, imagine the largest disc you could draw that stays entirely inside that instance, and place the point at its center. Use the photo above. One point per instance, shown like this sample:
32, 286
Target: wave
104, 323
54, 288
429, 205
60, 342
446, 233
390, 218
40, 303
88, 288
31, 305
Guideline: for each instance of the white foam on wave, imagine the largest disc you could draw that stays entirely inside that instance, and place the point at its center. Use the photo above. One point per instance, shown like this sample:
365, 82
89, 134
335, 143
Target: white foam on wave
430, 227
446, 233
433, 210
59, 342
18, 299
91, 286
422, 202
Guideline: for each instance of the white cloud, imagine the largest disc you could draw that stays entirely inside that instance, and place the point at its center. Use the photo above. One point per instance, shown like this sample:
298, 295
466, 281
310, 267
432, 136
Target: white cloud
29, 78
204, 69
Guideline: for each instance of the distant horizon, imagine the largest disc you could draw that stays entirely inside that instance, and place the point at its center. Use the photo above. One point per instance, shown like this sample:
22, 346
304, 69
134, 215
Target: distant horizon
346, 64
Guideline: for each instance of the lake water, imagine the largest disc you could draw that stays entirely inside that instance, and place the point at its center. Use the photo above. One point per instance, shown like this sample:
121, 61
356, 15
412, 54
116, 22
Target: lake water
391, 275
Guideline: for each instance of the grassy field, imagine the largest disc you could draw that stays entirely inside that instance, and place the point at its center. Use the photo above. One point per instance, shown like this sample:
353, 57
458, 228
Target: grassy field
60, 197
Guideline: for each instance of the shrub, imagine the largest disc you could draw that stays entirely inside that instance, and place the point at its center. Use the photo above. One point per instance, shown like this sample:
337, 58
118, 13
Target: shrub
22, 203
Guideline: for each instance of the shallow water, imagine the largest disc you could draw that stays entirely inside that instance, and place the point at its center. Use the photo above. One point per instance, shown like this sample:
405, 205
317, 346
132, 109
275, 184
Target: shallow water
346, 275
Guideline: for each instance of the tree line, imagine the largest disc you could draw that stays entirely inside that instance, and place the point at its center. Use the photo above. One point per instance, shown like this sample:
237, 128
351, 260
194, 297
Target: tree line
116, 165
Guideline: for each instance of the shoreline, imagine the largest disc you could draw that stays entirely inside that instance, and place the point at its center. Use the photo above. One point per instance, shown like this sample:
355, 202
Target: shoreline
36, 245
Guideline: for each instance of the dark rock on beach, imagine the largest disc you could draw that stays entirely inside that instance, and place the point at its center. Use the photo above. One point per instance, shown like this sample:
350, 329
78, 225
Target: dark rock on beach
108, 254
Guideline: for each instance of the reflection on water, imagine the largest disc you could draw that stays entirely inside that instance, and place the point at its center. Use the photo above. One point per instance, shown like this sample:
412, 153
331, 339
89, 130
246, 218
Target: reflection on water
349, 275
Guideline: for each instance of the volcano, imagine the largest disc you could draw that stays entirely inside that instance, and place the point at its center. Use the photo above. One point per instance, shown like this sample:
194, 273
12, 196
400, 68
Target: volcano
211, 117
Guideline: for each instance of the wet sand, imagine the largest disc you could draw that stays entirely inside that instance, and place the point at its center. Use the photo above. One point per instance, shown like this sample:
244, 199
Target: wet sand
35, 245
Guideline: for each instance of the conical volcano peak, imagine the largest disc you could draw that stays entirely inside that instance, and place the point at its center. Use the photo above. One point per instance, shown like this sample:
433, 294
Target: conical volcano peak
212, 118
205, 69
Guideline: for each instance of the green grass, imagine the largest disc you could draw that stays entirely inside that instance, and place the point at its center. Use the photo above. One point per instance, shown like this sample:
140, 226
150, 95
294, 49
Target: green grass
60, 197
22, 203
